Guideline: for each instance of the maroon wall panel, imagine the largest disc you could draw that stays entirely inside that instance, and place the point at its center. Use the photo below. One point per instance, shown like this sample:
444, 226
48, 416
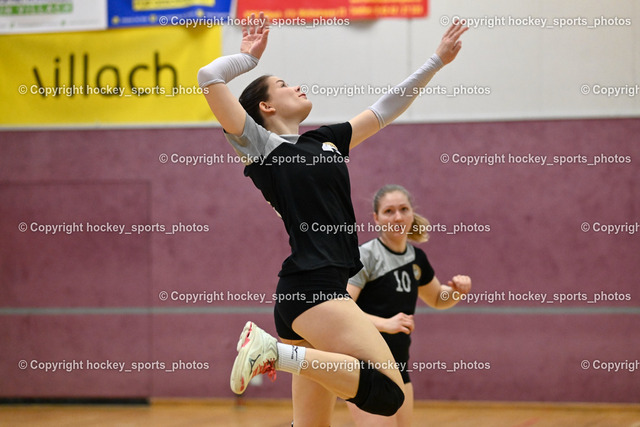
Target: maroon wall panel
74, 267
208, 233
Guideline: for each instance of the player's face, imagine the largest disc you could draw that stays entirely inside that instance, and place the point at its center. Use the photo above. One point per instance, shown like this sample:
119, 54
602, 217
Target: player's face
288, 101
395, 211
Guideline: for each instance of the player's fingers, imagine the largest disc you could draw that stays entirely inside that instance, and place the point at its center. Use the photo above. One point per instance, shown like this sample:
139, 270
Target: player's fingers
260, 23
449, 31
409, 324
460, 30
463, 283
462, 279
252, 23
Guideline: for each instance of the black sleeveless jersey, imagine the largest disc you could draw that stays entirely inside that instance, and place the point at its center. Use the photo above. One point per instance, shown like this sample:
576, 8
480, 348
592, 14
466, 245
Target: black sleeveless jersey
306, 180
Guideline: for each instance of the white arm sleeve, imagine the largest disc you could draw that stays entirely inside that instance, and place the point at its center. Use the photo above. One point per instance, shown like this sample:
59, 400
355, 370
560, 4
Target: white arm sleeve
394, 103
226, 68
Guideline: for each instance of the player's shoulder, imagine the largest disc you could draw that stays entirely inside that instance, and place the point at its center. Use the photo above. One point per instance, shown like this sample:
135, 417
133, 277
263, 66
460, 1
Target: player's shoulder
422, 263
418, 251
337, 128
338, 133
371, 254
367, 245
368, 249
420, 255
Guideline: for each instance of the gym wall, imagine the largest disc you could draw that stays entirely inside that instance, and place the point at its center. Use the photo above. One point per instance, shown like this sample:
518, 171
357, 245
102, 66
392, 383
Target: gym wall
537, 179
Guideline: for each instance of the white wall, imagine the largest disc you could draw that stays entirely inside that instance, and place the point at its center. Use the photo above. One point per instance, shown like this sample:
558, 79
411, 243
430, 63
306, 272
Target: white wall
530, 72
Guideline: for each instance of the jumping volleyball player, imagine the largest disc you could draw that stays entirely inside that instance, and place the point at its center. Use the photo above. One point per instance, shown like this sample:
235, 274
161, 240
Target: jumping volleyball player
387, 288
321, 327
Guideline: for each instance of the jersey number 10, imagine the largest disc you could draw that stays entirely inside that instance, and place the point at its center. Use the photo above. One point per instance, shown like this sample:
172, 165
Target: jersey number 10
404, 284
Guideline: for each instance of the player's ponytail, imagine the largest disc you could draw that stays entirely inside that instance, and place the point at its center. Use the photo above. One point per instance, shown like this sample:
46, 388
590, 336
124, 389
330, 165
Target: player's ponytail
250, 99
420, 224
419, 228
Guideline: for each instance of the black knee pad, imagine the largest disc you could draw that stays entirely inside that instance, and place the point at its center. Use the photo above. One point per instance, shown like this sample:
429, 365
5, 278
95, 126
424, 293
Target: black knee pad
377, 393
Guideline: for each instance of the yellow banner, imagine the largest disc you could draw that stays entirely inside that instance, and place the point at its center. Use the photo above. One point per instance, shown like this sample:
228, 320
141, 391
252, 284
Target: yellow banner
116, 77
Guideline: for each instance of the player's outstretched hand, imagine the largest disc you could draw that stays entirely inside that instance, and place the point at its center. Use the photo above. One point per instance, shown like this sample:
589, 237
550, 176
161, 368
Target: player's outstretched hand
461, 284
451, 43
255, 34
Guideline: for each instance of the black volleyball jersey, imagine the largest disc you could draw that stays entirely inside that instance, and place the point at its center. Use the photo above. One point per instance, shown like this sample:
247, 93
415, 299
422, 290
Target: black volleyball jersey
306, 180
389, 284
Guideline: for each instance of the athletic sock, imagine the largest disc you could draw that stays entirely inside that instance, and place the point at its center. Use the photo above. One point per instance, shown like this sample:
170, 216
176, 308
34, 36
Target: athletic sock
289, 358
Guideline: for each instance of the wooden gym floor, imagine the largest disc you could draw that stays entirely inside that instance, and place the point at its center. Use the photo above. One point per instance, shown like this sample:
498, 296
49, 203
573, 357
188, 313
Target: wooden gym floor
196, 413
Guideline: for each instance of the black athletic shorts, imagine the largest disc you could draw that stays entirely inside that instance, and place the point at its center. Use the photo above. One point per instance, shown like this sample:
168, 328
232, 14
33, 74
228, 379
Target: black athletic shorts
403, 366
400, 353
298, 292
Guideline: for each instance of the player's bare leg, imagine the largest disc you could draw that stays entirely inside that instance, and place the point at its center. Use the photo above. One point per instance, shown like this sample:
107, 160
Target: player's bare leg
308, 393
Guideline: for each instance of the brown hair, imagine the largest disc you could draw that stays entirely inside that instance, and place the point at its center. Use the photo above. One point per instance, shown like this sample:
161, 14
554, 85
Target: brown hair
251, 97
419, 225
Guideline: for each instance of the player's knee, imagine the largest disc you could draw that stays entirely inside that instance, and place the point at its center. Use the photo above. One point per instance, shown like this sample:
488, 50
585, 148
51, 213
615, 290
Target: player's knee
377, 393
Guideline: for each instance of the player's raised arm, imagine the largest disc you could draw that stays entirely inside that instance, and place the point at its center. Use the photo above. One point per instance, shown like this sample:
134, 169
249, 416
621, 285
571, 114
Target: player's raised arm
214, 76
394, 103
